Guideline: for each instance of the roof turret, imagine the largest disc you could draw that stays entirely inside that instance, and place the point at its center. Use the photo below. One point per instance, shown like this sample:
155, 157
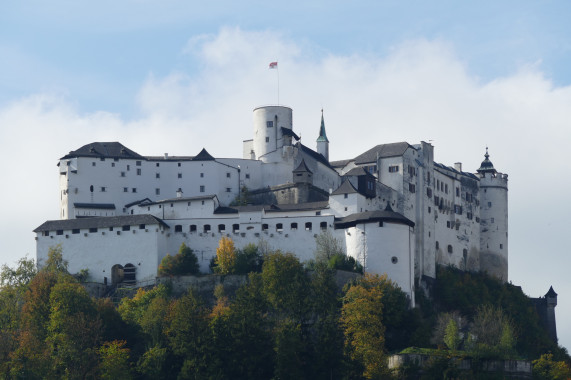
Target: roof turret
487, 166
322, 134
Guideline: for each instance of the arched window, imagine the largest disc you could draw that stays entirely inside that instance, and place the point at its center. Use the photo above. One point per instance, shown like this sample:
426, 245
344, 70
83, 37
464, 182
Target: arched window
279, 227
178, 228
264, 227
193, 228
116, 274
221, 227
207, 228
293, 226
450, 250
323, 225
235, 228
308, 226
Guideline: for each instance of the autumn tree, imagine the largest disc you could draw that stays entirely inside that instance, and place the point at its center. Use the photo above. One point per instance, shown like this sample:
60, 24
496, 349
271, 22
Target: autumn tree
362, 321
184, 262
226, 256
114, 358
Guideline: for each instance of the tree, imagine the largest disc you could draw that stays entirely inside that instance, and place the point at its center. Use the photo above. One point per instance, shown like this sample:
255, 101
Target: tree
55, 262
362, 321
248, 260
327, 246
115, 361
184, 262
545, 368
226, 256
451, 335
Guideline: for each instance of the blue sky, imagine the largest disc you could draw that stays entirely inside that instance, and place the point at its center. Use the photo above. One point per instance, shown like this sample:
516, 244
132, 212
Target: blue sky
176, 76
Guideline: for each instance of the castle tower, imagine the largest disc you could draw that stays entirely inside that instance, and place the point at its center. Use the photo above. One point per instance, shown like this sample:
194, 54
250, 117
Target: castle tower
272, 130
493, 220
322, 141
551, 301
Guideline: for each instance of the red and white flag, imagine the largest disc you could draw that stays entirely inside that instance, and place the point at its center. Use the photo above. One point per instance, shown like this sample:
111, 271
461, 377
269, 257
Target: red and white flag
273, 65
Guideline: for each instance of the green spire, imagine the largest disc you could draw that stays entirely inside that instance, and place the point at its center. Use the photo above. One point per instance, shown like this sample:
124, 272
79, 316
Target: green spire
322, 134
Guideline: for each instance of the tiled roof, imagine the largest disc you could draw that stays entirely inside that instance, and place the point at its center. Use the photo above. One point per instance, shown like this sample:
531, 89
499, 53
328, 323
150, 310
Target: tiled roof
358, 171
314, 155
383, 150
307, 206
345, 188
178, 199
373, 216
442, 166
203, 156
104, 150
100, 206
99, 222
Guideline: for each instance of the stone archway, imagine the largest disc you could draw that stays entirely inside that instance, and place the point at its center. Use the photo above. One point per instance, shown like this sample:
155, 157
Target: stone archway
117, 274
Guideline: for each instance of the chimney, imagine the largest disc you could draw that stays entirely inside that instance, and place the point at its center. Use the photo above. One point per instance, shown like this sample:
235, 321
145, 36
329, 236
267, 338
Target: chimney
179, 193
166, 156
458, 166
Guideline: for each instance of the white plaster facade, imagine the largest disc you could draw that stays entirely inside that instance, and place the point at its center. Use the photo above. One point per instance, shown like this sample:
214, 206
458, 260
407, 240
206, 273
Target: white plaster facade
393, 207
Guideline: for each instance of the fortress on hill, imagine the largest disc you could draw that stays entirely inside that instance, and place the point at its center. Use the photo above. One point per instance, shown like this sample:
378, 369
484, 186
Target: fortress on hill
394, 208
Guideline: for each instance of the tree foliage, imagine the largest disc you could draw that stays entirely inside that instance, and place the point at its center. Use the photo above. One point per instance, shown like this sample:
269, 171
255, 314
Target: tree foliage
226, 256
183, 263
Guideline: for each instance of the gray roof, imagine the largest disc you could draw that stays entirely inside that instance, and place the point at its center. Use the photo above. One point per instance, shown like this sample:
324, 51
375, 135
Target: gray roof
288, 132
345, 188
371, 217
99, 206
104, 150
449, 168
177, 199
383, 151
340, 163
302, 168
203, 156
307, 206
314, 154
358, 171
99, 222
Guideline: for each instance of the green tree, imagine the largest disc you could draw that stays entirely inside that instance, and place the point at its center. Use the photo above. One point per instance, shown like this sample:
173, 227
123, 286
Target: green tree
249, 259
451, 335
545, 368
362, 321
114, 358
184, 262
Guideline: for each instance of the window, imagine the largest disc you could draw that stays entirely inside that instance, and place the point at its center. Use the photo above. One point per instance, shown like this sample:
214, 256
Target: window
393, 169
141, 226
158, 164
489, 204
91, 188
492, 220
457, 191
228, 189
448, 224
469, 215
394, 260
308, 226
446, 188
122, 174
428, 192
103, 189
178, 228
75, 231
157, 175
235, 228
221, 227
201, 175
46, 233
323, 225
227, 175
267, 139
179, 175
437, 245
134, 190
110, 228
125, 189
138, 171
112, 164
279, 227
126, 228
450, 248
501, 246
345, 196
269, 124
157, 191
178, 163
469, 197
93, 164
264, 227
202, 189
458, 209
247, 176
429, 209
59, 232
411, 170
207, 228
172, 204
293, 226
193, 228
128, 167
411, 188
138, 163
93, 229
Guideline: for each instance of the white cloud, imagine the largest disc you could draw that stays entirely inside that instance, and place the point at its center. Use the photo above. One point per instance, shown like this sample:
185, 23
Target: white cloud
420, 91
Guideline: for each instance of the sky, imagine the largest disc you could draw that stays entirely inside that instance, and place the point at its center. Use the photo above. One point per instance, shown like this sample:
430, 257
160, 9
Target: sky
175, 76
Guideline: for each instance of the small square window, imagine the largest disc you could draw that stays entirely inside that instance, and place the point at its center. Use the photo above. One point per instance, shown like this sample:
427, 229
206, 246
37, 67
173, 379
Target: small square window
179, 175
247, 176
103, 189
158, 164
122, 174
134, 190
227, 175
269, 124
201, 175
345, 196
112, 164
93, 164
157, 191
228, 189
202, 189
179, 164
267, 140
125, 189
157, 175
138, 163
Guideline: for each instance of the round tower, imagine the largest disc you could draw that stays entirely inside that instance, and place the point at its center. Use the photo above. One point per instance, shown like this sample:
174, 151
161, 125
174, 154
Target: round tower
269, 134
493, 220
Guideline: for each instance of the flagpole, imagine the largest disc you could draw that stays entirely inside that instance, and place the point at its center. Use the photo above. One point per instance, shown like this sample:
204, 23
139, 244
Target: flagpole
274, 65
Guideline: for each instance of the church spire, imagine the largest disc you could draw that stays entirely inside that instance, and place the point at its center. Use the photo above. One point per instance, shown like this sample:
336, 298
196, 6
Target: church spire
486, 166
322, 134
322, 141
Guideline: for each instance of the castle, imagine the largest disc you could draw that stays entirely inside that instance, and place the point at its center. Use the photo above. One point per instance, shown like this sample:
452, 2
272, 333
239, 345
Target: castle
392, 207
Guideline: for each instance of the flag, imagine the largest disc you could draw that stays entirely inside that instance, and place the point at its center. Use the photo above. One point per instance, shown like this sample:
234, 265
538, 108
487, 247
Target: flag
273, 65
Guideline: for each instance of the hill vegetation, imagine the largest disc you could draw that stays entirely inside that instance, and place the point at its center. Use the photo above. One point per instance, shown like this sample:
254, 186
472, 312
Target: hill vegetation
287, 321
